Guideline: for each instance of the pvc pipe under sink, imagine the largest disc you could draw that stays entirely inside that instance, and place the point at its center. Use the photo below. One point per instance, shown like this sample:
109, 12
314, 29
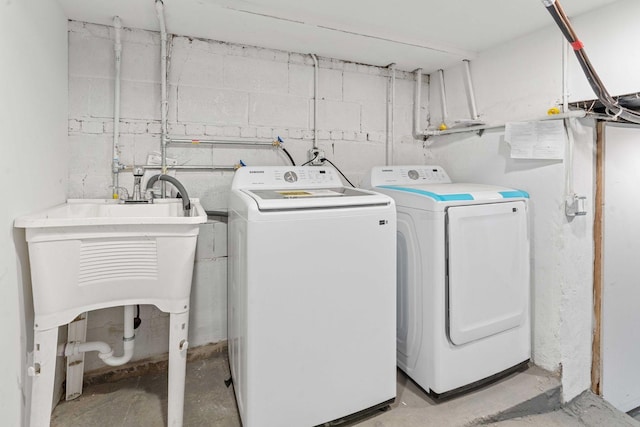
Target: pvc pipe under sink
105, 352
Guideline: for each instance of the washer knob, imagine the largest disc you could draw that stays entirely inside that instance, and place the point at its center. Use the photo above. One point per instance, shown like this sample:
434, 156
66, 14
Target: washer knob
413, 174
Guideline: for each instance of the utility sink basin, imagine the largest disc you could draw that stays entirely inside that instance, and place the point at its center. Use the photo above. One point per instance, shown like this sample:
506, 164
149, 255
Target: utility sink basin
88, 254
82, 212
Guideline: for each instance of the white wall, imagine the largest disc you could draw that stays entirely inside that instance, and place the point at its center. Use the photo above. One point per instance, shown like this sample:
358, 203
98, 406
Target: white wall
218, 90
33, 168
520, 80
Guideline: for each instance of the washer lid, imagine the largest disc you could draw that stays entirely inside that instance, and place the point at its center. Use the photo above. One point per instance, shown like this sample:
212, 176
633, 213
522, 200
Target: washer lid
314, 198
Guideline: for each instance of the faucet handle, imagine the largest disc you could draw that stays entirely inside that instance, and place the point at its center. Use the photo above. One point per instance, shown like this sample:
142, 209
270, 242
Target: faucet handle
121, 190
138, 171
149, 195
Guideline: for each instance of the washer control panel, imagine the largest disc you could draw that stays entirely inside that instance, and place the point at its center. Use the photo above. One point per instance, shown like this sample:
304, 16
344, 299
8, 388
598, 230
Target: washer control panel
408, 175
286, 177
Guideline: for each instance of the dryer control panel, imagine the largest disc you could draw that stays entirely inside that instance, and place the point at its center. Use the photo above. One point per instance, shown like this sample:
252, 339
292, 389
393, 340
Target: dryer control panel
408, 175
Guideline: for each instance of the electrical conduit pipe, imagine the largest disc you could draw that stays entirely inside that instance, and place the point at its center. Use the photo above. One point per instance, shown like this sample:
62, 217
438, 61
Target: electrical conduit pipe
105, 352
117, 48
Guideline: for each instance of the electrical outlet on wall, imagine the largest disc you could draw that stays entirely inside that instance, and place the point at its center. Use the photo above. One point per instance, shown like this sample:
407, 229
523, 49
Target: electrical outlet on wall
575, 205
316, 157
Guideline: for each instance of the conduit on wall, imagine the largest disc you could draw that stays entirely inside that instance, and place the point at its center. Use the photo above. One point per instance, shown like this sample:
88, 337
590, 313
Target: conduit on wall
574, 204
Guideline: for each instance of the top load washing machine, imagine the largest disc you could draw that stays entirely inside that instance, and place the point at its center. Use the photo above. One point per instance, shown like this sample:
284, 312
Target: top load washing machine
311, 296
463, 277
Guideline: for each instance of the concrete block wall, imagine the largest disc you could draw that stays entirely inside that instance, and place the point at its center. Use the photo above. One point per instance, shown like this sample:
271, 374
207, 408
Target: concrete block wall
219, 90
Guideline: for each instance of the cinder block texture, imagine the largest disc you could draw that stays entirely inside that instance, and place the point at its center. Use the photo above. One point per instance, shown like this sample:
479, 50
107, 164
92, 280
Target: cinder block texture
338, 115
217, 90
206, 105
374, 117
278, 110
224, 90
195, 67
255, 75
365, 88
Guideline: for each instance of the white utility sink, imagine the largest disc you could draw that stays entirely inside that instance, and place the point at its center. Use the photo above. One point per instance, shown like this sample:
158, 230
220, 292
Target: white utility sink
92, 254
88, 254
76, 212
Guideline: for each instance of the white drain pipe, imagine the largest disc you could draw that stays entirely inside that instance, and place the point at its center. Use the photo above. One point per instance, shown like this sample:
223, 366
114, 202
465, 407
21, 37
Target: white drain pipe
105, 352
391, 99
473, 109
443, 98
115, 166
417, 132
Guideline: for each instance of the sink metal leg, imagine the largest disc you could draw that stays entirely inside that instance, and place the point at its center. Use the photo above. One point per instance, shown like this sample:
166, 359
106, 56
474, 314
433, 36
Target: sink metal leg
179, 325
43, 371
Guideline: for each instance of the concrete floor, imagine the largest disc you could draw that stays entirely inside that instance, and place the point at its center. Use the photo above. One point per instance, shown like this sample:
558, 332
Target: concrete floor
586, 410
141, 401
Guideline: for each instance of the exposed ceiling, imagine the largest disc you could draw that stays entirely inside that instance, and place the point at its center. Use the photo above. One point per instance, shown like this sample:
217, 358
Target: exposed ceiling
428, 34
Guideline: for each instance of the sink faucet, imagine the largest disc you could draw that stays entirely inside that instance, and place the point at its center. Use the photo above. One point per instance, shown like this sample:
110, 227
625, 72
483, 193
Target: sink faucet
138, 195
138, 172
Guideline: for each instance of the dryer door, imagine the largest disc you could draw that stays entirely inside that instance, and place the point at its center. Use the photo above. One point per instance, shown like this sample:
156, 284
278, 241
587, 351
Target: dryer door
488, 269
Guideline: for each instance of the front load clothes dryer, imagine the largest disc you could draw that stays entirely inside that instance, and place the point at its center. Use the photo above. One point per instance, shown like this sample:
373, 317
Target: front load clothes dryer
463, 277
311, 297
